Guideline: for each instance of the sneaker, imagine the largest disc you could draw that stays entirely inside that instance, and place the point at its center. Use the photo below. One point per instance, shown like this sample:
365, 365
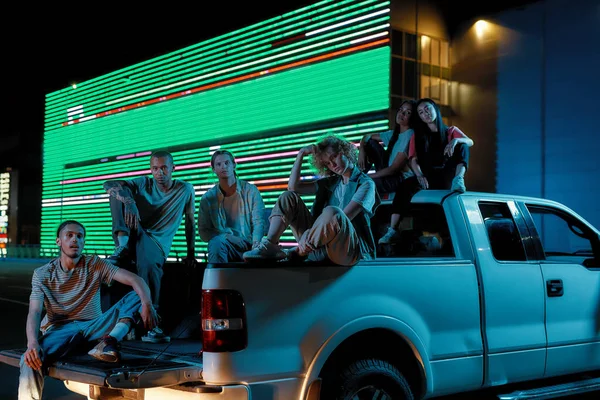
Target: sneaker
430, 243
391, 236
265, 251
120, 254
130, 335
107, 350
458, 184
156, 335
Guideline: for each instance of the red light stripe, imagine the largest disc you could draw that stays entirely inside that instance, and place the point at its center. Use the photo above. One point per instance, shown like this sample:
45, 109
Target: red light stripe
288, 40
270, 187
229, 81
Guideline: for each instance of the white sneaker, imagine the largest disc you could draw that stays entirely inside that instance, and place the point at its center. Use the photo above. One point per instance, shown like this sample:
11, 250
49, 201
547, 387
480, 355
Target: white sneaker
458, 184
391, 236
156, 335
265, 250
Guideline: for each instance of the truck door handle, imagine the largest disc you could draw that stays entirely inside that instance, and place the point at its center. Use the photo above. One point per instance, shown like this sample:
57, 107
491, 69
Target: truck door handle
554, 287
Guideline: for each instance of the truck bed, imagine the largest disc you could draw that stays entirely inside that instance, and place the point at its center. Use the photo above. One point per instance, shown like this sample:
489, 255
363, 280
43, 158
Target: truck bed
142, 365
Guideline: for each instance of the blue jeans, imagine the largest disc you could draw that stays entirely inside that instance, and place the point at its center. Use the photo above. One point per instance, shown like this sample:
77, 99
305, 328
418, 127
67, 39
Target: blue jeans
221, 250
59, 340
148, 255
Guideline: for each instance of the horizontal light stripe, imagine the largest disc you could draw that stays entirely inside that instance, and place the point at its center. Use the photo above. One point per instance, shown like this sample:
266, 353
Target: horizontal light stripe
369, 37
227, 82
350, 21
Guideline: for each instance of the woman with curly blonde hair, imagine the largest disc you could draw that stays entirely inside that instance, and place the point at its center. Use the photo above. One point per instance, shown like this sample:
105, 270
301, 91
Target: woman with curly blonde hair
338, 229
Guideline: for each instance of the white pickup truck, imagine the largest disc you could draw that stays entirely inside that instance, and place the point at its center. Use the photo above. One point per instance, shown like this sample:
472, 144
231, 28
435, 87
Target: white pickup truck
508, 296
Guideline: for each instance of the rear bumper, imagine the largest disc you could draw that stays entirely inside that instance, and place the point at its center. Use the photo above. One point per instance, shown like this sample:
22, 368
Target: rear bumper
283, 389
196, 392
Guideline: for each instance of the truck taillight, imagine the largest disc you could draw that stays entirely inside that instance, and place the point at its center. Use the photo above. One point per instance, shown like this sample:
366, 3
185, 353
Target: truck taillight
223, 321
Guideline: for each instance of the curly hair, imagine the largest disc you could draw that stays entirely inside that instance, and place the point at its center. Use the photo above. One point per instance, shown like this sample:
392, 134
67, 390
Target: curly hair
338, 145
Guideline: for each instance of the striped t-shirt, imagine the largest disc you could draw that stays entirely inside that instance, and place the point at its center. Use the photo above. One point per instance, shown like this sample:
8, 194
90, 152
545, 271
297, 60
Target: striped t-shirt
72, 295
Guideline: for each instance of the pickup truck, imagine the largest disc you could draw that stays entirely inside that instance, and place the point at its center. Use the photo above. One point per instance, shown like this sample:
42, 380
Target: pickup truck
484, 291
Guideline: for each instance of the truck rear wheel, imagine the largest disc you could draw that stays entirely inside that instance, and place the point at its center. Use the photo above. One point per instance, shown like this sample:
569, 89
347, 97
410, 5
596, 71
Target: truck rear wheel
372, 379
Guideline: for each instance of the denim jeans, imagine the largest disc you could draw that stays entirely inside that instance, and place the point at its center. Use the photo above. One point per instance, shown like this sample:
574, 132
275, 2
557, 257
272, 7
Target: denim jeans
60, 340
221, 250
148, 255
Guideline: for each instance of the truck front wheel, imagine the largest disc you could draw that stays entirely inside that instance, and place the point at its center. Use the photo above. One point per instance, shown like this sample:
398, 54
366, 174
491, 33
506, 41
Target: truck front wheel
371, 379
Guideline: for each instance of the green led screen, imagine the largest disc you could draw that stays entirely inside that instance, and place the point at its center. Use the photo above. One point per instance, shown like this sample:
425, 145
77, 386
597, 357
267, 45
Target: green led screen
262, 92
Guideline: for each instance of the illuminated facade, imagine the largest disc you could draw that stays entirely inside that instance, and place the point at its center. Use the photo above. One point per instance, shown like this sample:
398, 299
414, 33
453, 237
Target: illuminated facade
268, 89
262, 92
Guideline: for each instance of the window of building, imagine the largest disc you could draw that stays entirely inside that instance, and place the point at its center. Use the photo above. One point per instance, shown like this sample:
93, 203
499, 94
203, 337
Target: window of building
434, 61
424, 233
425, 49
410, 45
410, 74
504, 237
397, 76
422, 73
397, 42
444, 91
444, 54
435, 88
435, 52
425, 86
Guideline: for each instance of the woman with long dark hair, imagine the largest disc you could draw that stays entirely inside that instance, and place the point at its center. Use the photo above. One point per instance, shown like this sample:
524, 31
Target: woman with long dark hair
391, 164
392, 173
438, 154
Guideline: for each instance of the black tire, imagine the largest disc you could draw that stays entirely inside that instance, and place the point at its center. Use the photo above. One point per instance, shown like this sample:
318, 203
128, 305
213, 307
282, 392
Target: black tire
370, 379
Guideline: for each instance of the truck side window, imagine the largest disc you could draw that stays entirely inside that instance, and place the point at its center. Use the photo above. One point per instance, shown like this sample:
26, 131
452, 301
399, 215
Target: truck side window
564, 238
502, 231
424, 233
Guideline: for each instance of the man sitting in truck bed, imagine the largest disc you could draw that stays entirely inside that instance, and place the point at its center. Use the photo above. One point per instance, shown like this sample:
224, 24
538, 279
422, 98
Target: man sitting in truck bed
339, 227
231, 213
68, 288
146, 213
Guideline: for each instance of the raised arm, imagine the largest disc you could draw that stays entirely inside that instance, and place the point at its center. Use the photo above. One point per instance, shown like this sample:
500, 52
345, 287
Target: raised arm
457, 137
190, 228
120, 190
362, 155
295, 184
141, 288
34, 316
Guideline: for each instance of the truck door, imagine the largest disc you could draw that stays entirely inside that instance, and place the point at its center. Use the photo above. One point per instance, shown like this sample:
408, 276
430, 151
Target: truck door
512, 292
569, 256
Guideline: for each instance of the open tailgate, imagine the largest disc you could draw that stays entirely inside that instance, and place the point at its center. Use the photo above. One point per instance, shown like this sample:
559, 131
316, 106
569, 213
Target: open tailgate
143, 365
